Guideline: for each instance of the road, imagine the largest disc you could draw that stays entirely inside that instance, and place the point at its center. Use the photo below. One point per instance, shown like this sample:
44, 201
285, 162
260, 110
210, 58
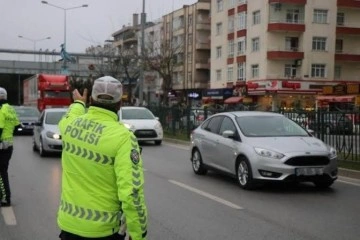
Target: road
185, 206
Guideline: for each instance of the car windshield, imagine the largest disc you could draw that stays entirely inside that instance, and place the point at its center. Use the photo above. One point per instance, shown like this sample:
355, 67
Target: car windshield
27, 112
269, 126
53, 118
136, 114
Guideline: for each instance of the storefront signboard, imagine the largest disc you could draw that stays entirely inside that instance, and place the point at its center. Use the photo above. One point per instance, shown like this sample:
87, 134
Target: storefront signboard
353, 88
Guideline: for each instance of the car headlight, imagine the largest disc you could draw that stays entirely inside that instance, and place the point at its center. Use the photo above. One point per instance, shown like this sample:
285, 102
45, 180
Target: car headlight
268, 153
332, 152
158, 126
129, 126
53, 135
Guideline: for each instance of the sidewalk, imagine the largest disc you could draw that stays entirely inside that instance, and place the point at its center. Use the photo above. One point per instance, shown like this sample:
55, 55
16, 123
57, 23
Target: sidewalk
342, 171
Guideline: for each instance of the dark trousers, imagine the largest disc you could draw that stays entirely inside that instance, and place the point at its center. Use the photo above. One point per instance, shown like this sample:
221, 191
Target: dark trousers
69, 236
5, 155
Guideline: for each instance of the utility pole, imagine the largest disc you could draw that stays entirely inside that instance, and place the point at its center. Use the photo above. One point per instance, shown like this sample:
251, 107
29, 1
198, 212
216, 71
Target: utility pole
141, 83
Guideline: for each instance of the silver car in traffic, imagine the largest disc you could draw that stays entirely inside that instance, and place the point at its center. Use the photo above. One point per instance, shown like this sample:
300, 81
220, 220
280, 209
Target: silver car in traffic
260, 146
46, 137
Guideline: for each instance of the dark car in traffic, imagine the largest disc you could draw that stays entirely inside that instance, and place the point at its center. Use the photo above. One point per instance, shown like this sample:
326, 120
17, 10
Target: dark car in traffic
27, 116
331, 123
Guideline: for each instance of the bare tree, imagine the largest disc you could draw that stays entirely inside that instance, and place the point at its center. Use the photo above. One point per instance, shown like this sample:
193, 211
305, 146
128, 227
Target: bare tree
162, 56
106, 62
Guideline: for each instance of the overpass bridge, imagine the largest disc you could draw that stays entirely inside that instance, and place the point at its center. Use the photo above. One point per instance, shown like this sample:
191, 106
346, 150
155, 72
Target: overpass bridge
13, 72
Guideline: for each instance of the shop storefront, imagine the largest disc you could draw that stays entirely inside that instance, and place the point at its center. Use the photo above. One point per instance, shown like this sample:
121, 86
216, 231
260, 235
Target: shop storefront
216, 96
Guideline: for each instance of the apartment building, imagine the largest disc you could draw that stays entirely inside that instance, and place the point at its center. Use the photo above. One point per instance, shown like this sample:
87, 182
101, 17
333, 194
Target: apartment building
188, 29
282, 53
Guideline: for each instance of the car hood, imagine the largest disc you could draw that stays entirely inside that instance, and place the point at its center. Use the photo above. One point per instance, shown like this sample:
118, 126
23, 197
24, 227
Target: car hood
52, 128
289, 144
141, 123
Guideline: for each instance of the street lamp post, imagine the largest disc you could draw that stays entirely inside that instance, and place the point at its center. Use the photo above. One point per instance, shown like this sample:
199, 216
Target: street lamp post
141, 83
34, 41
65, 10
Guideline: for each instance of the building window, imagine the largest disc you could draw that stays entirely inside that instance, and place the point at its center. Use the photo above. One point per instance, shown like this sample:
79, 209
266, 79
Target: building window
320, 16
255, 44
218, 75
292, 44
255, 71
256, 17
219, 5
242, 2
218, 29
232, 3
241, 47
231, 24
218, 52
231, 48
339, 45
340, 19
319, 44
230, 74
241, 71
292, 15
290, 71
242, 20
190, 20
190, 39
337, 72
318, 70
189, 58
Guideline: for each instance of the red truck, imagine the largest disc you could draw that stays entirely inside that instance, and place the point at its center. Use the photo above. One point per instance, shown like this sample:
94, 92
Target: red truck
47, 91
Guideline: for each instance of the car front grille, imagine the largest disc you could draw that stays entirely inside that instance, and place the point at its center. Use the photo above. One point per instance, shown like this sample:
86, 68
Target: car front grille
308, 161
148, 133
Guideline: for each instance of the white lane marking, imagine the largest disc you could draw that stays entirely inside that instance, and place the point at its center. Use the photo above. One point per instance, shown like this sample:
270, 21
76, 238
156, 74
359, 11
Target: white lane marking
205, 194
183, 147
9, 216
348, 181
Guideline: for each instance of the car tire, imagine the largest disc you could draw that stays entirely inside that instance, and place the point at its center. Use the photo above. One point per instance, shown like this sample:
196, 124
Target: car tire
42, 151
323, 183
244, 174
34, 146
197, 163
158, 142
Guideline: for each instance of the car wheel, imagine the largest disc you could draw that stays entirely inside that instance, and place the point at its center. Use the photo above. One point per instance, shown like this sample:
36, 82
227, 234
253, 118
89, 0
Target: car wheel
197, 163
158, 142
323, 183
34, 146
244, 174
42, 152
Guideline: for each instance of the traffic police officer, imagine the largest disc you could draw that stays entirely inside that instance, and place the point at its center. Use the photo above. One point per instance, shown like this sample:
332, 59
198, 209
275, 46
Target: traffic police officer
102, 179
8, 121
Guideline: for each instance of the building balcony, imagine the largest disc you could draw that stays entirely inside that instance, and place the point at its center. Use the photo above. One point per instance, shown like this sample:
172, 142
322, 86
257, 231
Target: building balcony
286, 54
348, 29
348, 4
297, 2
202, 63
286, 27
202, 45
203, 26
347, 57
203, 6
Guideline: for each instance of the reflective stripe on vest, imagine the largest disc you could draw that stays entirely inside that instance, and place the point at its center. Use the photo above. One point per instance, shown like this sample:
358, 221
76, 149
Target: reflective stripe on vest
90, 214
88, 154
2, 190
137, 182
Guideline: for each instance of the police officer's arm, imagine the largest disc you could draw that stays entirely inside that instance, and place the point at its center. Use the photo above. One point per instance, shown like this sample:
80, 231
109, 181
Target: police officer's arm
130, 182
76, 109
2, 123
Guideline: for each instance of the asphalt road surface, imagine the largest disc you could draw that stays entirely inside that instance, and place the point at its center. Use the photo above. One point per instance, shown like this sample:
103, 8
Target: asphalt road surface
185, 206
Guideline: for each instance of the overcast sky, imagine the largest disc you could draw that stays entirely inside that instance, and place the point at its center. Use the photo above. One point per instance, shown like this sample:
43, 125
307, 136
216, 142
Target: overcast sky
85, 26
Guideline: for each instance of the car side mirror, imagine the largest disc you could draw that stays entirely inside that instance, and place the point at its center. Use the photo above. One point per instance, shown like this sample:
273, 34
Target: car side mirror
229, 134
310, 131
157, 118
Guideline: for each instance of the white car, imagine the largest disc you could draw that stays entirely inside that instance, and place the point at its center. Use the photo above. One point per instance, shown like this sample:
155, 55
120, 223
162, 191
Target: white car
143, 123
46, 137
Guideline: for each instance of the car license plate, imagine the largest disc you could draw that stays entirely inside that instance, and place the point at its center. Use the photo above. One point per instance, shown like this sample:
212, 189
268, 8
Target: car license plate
309, 171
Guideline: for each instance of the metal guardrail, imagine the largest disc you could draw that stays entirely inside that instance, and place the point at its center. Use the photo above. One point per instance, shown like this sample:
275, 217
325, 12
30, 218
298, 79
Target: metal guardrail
340, 130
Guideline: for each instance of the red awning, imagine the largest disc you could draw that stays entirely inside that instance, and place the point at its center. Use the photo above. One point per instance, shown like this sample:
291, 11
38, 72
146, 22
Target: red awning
233, 100
336, 98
